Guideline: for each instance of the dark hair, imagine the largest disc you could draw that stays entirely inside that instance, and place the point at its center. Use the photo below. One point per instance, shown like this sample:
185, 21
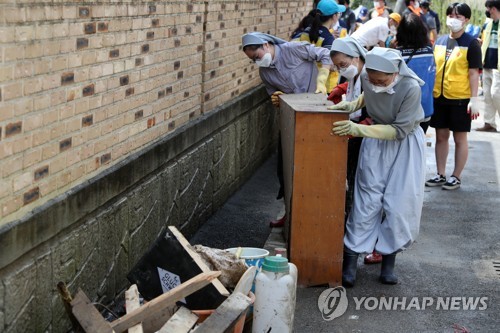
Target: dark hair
343, 2
314, 20
461, 9
425, 4
493, 3
412, 32
304, 23
252, 47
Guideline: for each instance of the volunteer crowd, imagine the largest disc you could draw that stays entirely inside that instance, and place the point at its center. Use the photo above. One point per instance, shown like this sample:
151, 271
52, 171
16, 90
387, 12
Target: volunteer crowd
396, 74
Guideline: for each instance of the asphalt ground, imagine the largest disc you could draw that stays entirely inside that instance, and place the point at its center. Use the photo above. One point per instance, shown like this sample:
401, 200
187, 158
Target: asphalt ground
451, 266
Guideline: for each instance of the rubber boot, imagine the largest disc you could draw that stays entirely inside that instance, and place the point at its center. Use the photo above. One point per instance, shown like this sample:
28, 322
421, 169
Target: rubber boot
349, 267
387, 275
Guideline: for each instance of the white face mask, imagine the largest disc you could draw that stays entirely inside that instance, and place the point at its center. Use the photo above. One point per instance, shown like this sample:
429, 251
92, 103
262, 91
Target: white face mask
454, 24
393, 30
416, 4
350, 72
265, 61
387, 89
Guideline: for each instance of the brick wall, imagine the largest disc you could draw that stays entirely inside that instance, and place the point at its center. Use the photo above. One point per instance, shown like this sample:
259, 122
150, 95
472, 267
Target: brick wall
117, 119
84, 85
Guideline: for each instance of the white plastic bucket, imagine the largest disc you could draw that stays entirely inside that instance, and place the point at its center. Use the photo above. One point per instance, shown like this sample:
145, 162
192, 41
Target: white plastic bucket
253, 256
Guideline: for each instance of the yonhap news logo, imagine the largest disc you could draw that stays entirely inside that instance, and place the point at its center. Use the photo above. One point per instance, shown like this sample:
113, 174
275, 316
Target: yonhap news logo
421, 303
333, 302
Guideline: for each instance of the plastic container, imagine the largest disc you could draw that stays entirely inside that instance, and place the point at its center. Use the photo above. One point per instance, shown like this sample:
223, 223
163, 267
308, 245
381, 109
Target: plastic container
275, 293
253, 256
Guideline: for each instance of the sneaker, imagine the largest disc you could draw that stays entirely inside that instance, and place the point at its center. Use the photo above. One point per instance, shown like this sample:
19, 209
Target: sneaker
452, 184
437, 180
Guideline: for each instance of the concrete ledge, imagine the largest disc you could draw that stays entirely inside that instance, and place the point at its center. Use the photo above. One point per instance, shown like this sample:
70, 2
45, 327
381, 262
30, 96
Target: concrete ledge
20, 236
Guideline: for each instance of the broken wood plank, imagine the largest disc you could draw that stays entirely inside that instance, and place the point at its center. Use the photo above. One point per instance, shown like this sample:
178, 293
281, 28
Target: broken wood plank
155, 323
168, 263
87, 315
197, 259
132, 303
227, 315
181, 322
159, 307
66, 299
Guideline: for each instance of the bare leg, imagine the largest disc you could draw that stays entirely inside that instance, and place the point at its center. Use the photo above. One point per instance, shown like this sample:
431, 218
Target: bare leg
442, 148
461, 152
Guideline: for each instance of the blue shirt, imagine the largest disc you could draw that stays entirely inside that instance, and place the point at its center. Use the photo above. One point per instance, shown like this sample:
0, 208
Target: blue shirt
421, 61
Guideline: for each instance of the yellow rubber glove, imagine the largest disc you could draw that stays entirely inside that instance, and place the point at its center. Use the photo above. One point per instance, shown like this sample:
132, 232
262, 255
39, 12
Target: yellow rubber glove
321, 80
347, 127
350, 106
275, 98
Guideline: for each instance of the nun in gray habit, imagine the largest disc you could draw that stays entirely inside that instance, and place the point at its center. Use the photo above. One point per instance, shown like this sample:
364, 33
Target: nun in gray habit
391, 169
288, 67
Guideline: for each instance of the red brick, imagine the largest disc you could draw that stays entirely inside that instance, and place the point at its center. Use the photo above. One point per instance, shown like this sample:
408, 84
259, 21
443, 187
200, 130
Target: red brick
41, 172
64, 144
31, 195
84, 12
89, 28
13, 129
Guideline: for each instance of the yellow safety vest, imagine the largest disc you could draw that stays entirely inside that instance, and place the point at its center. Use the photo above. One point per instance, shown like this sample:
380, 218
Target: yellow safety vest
452, 76
486, 41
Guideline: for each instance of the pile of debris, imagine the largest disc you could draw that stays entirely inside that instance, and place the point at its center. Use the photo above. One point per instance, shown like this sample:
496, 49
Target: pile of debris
200, 304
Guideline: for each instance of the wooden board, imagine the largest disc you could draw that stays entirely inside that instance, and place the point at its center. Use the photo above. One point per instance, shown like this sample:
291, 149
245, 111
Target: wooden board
171, 252
197, 259
227, 315
132, 303
317, 163
181, 322
159, 307
87, 315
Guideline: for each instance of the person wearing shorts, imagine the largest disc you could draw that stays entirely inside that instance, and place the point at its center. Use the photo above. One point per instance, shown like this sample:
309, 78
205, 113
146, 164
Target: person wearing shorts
458, 61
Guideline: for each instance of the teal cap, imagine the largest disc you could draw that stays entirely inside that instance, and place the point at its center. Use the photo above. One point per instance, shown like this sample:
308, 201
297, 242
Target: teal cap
276, 264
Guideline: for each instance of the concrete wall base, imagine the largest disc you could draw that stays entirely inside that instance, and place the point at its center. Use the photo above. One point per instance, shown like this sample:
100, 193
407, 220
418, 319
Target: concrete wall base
92, 235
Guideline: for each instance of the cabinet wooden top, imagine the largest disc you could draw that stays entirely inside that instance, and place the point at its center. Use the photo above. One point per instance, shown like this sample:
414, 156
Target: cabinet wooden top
308, 103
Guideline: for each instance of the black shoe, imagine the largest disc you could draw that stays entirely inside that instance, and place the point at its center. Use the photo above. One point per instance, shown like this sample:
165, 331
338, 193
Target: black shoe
387, 275
437, 180
452, 184
349, 267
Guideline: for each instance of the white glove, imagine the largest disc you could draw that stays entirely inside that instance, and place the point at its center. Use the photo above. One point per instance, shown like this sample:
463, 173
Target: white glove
473, 108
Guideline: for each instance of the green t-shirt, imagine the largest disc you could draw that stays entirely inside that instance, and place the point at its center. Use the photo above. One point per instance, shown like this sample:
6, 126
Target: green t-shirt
491, 57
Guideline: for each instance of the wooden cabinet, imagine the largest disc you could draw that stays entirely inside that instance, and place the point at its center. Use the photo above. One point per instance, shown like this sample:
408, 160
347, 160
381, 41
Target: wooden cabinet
315, 184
